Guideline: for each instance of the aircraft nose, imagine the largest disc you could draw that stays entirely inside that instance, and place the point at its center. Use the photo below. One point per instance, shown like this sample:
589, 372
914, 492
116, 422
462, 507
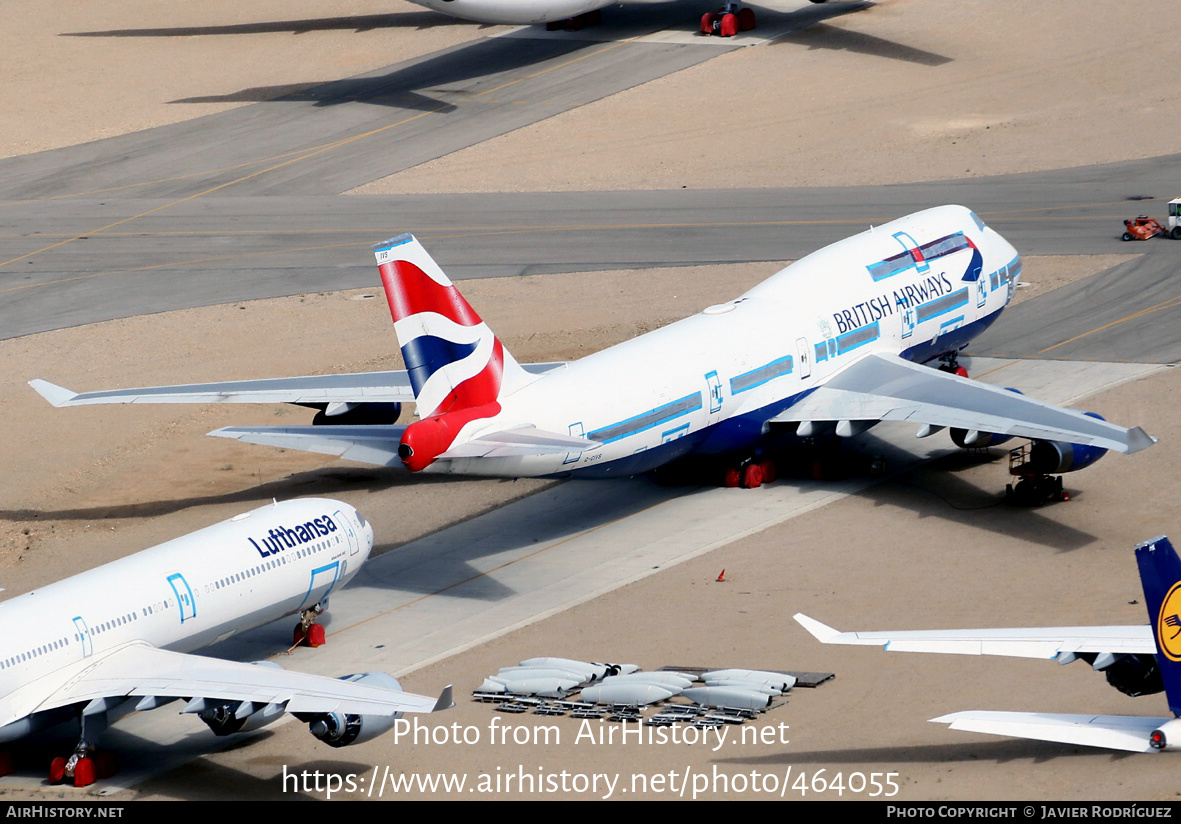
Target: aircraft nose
365, 528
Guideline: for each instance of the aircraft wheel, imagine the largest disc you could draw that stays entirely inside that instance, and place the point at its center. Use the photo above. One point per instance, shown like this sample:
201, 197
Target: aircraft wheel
707, 23
770, 473
84, 772
752, 476
746, 20
314, 637
57, 770
104, 764
729, 25
732, 478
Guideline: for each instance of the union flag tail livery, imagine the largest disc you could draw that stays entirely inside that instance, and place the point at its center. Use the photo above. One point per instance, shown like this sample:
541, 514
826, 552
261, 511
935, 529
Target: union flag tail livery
456, 365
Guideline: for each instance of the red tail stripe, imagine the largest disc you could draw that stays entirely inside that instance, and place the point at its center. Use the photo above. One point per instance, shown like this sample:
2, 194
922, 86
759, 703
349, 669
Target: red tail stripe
409, 291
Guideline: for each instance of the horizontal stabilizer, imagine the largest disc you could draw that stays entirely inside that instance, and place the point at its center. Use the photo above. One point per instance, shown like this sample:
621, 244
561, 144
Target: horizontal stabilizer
371, 387
1041, 642
1116, 732
521, 440
885, 387
369, 444
356, 387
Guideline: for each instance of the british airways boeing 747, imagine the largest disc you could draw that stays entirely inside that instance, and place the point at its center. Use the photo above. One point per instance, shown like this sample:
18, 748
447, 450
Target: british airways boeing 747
836, 342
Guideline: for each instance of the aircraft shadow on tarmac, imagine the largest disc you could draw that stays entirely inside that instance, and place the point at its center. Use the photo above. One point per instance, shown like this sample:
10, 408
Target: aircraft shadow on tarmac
833, 38
403, 86
961, 502
327, 481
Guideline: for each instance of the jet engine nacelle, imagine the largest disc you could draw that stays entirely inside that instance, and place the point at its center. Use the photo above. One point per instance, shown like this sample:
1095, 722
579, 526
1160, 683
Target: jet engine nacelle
1056, 457
1167, 736
338, 729
1135, 675
230, 717
357, 414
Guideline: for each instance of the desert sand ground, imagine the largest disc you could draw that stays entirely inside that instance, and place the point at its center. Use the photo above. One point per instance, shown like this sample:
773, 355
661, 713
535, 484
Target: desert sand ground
903, 91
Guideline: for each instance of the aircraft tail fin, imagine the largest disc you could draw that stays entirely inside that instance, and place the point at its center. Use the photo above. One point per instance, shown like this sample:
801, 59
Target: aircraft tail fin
454, 360
1160, 573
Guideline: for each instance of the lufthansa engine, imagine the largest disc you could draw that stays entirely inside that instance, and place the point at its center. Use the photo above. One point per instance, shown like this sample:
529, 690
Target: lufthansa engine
338, 729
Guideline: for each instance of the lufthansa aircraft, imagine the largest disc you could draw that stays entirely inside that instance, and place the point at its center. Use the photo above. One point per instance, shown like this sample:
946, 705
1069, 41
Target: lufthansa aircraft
116, 640
1138, 660
834, 343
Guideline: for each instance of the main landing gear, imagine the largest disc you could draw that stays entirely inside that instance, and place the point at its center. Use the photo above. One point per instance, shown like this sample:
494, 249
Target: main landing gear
577, 22
951, 363
307, 632
750, 474
727, 21
87, 764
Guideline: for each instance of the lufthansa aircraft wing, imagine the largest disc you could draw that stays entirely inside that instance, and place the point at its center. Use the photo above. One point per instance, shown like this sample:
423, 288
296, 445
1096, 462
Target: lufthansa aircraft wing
138, 670
1138, 660
1061, 643
886, 387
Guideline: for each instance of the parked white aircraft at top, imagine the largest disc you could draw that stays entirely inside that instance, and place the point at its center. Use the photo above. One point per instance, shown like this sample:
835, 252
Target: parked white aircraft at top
115, 640
1138, 660
834, 342
523, 12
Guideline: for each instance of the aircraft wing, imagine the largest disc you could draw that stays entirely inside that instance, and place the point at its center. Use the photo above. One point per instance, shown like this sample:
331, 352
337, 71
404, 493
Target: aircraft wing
1049, 643
145, 672
884, 387
378, 444
1117, 732
356, 387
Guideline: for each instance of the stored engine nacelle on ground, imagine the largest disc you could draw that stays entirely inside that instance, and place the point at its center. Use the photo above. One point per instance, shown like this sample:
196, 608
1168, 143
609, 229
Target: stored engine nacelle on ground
338, 729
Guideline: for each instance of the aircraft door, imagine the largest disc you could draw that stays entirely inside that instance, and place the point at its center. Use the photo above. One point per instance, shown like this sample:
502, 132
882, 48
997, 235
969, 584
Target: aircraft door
714, 390
576, 430
805, 357
347, 524
184, 596
84, 634
906, 313
320, 583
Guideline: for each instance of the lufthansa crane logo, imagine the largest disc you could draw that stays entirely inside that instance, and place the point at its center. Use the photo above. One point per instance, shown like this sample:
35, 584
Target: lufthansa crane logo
1168, 624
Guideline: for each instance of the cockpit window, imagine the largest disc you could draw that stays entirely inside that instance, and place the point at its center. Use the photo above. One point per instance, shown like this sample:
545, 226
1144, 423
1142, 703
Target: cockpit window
980, 224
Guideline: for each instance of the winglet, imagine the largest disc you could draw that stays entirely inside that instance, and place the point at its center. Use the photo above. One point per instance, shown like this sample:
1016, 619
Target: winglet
821, 632
444, 702
1139, 439
57, 395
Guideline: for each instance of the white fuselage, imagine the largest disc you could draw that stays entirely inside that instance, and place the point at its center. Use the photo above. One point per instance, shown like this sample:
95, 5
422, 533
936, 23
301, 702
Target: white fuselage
181, 595
514, 12
709, 383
